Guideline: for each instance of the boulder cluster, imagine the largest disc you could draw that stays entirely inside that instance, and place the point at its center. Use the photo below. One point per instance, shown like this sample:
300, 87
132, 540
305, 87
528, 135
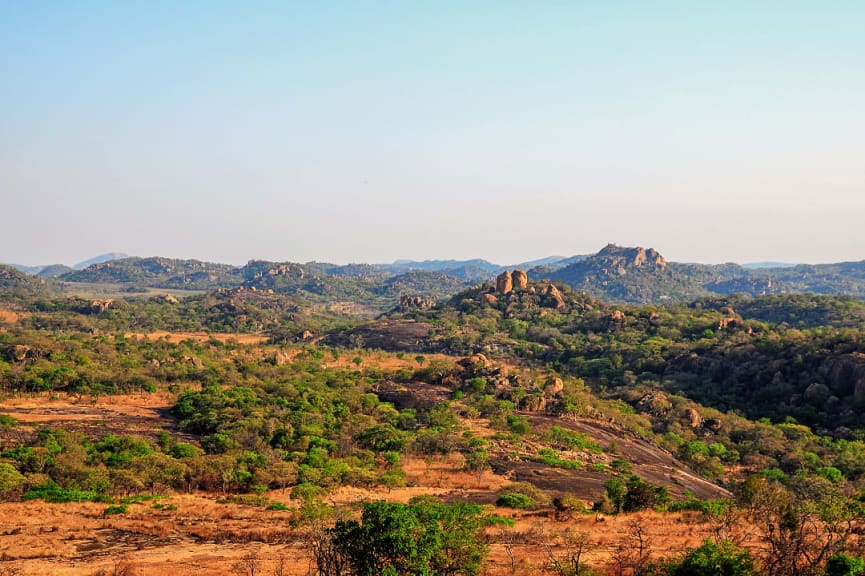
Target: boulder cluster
514, 288
539, 396
507, 282
408, 302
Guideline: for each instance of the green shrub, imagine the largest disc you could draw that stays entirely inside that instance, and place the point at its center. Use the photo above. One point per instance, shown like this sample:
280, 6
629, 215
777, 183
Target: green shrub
710, 559
550, 458
51, 492
421, 537
121, 509
843, 565
518, 501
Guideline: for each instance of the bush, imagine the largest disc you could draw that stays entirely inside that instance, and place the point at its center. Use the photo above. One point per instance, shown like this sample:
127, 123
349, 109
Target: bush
422, 537
569, 504
538, 496
843, 565
114, 510
518, 501
51, 492
551, 458
10, 479
710, 559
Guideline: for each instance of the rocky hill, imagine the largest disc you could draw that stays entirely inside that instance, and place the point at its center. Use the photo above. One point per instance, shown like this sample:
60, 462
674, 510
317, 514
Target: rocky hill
475, 270
16, 285
621, 274
615, 274
639, 276
158, 272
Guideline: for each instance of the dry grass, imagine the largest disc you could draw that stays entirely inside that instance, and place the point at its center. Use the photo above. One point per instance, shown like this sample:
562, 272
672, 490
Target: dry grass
382, 360
143, 414
204, 537
11, 316
201, 536
252, 339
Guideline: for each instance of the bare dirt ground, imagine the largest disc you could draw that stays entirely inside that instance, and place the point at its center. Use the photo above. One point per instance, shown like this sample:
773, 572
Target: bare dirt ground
11, 316
175, 337
194, 534
138, 414
203, 537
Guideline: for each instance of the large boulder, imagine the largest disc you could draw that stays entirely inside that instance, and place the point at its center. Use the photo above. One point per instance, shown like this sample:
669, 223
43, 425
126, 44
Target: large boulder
520, 279
533, 403
554, 298
504, 283
553, 387
845, 376
693, 418
816, 394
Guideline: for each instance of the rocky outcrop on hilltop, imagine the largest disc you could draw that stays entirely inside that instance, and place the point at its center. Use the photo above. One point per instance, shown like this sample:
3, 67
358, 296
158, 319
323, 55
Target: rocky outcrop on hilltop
415, 303
520, 279
554, 297
281, 270
509, 281
504, 283
620, 260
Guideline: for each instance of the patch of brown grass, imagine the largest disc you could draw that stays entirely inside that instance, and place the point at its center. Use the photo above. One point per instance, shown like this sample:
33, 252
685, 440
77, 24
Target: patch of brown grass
174, 337
11, 316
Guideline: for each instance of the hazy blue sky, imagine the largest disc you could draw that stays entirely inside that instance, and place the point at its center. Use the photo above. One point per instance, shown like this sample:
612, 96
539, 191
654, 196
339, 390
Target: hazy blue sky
369, 131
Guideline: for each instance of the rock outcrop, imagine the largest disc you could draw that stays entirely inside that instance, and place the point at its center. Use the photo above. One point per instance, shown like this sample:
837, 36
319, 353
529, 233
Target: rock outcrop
845, 376
520, 279
713, 425
553, 387
553, 294
693, 418
99, 306
620, 259
504, 283
416, 303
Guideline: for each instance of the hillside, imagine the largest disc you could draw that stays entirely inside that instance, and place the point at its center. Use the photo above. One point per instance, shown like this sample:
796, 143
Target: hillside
16, 286
615, 274
158, 272
628, 275
250, 417
642, 276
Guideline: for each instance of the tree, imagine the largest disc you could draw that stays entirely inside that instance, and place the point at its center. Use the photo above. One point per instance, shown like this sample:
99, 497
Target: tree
843, 565
10, 479
711, 559
422, 538
803, 525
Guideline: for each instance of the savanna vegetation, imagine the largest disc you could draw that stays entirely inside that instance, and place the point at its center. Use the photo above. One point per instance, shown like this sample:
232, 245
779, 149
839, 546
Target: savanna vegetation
758, 401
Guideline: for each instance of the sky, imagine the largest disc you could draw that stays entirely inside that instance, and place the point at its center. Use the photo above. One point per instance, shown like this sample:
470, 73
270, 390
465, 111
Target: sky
366, 131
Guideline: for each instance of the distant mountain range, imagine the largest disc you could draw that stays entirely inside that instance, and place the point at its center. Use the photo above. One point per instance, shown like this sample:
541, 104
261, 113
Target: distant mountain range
758, 265
57, 270
614, 274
